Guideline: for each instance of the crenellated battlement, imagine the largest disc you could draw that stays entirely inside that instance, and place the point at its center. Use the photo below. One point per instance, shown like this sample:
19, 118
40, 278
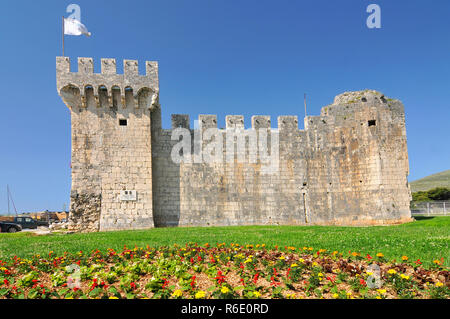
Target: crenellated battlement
104, 86
206, 121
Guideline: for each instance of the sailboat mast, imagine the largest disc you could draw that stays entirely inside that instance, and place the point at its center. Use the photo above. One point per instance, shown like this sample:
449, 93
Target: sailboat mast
7, 197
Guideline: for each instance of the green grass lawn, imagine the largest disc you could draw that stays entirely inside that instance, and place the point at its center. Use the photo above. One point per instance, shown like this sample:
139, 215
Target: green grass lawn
427, 239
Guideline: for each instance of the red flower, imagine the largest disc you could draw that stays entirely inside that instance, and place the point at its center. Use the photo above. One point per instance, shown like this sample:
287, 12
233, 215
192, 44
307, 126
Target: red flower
362, 282
369, 257
220, 278
165, 283
6, 282
255, 278
287, 272
133, 285
273, 282
193, 282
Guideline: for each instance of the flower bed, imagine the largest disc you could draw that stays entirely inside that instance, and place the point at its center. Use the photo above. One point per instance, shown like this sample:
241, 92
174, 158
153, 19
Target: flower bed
221, 271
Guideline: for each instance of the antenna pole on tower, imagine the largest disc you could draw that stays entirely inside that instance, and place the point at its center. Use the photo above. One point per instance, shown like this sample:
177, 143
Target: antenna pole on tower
304, 101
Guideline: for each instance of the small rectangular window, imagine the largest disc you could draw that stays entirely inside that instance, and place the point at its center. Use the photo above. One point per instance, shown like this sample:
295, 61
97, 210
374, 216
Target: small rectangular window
372, 122
123, 122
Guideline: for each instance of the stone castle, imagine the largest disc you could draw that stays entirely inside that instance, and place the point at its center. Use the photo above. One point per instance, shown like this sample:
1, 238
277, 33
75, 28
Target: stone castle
349, 165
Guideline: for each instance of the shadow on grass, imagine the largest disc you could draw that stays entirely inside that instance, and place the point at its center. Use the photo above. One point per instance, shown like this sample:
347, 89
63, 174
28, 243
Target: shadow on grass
423, 217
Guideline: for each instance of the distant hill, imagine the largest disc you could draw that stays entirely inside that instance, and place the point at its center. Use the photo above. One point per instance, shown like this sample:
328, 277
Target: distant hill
441, 179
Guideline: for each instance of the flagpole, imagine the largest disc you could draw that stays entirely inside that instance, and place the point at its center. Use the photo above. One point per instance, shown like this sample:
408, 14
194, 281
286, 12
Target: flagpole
63, 35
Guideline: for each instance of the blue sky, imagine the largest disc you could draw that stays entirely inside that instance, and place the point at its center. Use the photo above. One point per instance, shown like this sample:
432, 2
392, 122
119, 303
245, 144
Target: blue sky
220, 57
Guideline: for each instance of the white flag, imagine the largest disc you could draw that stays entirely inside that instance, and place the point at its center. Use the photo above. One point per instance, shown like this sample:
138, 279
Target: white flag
75, 27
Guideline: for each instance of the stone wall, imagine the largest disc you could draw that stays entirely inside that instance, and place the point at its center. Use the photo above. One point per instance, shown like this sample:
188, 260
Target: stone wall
349, 165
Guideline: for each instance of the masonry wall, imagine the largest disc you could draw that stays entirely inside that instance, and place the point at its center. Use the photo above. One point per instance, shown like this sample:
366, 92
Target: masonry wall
231, 192
348, 167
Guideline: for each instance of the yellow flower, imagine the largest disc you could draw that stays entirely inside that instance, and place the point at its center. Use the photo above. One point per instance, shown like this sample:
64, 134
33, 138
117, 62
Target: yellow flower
257, 294
404, 258
281, 257
249, 260
439, 284
290, 296
378, 297
301, 260
404, 276
310, 248
369, 273
335, 296
392, 271
335, 252
380, 255
381, 291
200, 294
113, 297
437, 262
320, 274
177, 293
224, 290
293, 265
315, 264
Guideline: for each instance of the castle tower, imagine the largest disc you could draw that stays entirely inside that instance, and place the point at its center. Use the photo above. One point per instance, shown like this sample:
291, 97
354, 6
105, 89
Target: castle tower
111, 142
